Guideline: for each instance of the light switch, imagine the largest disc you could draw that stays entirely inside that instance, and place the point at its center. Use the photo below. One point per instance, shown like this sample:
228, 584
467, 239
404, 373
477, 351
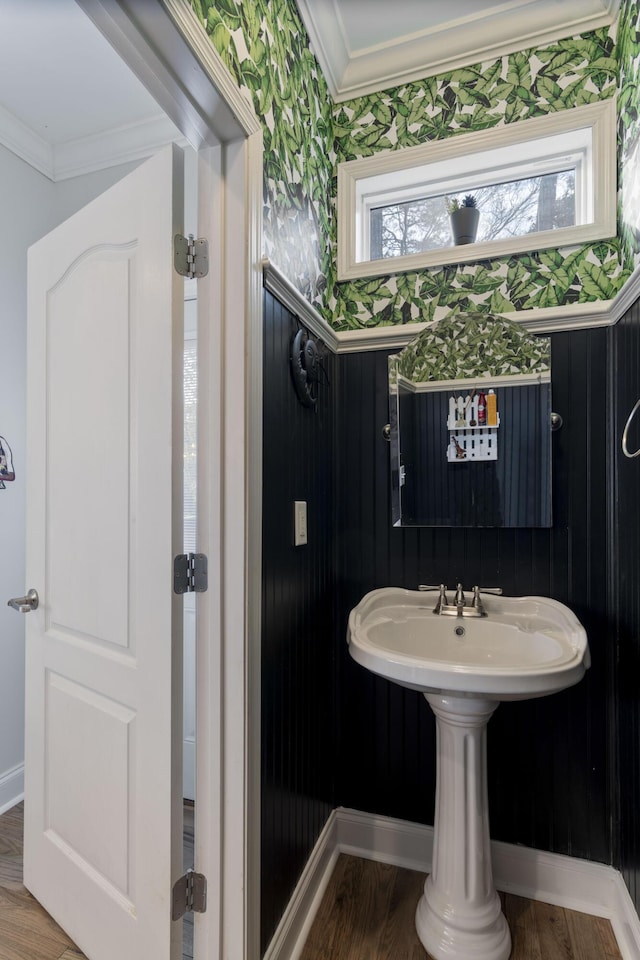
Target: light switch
300, 522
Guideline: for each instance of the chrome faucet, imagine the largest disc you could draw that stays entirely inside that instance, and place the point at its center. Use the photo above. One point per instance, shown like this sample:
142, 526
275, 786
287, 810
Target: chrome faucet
459, 601
460, 607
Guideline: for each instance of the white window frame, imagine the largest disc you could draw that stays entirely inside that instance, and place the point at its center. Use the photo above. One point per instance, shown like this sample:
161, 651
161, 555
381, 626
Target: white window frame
586, 135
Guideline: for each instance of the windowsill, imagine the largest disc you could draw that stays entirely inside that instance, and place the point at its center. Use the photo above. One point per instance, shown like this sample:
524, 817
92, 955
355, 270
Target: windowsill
468, 253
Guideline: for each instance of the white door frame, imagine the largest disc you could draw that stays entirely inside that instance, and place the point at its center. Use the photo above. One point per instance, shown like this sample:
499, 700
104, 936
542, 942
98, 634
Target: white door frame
169, 50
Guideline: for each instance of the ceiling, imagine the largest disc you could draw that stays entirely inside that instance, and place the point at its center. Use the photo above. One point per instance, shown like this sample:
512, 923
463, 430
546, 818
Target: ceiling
68, 103
368, 45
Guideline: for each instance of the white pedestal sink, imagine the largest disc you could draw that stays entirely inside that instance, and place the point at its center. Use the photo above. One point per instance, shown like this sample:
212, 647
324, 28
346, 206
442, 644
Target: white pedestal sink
524, 647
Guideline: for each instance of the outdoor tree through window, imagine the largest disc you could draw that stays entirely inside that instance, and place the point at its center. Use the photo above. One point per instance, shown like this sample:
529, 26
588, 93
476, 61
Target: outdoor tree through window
511, 209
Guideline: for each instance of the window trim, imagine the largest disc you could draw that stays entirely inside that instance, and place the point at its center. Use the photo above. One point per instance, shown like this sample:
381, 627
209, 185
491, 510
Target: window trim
601, 117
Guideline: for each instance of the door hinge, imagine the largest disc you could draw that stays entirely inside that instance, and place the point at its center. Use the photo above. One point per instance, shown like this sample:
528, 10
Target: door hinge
189, 895
191, 257
190, 573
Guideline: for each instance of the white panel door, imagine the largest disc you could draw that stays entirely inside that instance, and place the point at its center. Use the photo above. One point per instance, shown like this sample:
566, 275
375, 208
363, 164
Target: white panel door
104, 506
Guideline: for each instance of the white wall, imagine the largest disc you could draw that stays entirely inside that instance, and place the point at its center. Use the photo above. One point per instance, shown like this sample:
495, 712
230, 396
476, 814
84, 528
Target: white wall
26, 204
30, 206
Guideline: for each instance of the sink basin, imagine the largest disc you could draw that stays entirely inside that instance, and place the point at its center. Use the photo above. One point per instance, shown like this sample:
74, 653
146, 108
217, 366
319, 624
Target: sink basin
524, 647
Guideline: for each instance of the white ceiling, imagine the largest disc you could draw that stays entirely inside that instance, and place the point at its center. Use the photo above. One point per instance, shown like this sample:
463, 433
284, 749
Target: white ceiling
68, 104
369, 45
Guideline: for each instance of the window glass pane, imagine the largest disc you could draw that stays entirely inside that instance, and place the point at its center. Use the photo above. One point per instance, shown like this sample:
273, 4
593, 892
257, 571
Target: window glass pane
401, 229
512, 209
527, 206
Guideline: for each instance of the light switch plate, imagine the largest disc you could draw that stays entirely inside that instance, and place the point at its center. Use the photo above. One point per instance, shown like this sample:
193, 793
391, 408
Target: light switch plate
300, 522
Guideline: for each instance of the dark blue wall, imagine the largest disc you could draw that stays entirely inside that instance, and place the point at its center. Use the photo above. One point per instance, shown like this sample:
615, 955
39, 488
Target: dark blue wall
298, 683
564, 771
624, 594
550, 759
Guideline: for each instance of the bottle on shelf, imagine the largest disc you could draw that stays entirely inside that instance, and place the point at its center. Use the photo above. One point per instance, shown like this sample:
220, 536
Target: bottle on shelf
492, 409
482, 410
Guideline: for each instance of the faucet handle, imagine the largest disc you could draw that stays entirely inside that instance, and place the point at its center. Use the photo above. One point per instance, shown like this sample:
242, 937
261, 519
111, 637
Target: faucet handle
442, 595
477, 599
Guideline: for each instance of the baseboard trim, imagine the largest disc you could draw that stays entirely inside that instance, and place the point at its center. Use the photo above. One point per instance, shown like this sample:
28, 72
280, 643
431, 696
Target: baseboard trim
399, 842
11, 787
625, 921
293, 929
551, 878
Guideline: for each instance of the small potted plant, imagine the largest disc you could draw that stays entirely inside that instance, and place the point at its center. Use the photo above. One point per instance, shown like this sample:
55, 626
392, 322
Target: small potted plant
464, 219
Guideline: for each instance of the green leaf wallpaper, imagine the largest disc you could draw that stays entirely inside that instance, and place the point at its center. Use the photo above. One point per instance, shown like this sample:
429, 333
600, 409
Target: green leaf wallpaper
527, 84
265, 46
628, 52
532, 83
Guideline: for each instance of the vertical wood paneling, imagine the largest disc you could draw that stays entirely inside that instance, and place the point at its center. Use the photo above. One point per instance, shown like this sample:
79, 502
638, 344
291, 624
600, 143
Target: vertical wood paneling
625, 591
298, 712
335, 734
386, 756
549, 765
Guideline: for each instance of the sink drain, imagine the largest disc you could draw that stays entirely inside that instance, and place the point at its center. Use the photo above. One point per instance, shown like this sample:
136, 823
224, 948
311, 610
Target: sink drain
459, 631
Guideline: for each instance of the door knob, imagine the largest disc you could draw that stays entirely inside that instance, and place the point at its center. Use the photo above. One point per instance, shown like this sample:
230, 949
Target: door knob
25, 604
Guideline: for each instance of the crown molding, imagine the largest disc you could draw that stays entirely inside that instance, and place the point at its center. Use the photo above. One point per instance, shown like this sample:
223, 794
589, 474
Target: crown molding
328, 41
21, 140
134, 141
571, 316
497, 30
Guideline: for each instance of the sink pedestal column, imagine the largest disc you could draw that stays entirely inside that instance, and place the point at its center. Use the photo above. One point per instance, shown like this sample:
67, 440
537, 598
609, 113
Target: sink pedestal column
459, 915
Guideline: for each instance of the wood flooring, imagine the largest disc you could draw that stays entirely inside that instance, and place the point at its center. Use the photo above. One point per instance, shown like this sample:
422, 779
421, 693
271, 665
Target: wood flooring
368, 910
367, 913
27, 932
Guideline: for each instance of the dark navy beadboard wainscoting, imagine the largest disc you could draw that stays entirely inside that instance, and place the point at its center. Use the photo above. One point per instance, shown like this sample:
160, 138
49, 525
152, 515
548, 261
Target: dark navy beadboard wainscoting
549, 759
564, 771
298, 683
625, 590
